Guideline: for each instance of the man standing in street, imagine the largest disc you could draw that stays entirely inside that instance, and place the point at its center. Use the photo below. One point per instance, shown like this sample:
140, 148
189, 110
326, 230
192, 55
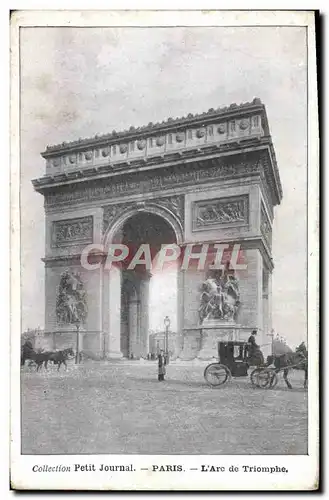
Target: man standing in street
161, 366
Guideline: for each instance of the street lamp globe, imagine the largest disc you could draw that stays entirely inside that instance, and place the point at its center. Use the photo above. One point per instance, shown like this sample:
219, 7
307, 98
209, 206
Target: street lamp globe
167, 322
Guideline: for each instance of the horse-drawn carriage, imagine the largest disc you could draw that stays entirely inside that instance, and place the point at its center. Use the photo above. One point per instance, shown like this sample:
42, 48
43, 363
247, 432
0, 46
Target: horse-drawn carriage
41, 357
234, 361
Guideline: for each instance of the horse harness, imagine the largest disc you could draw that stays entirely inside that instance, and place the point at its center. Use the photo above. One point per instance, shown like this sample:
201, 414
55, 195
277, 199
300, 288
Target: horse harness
57, 357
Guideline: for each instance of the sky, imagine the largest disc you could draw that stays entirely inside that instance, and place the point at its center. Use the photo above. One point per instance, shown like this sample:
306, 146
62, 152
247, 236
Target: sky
79, 82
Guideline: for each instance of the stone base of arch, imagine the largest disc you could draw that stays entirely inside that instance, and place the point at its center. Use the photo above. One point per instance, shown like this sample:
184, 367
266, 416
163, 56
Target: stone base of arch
113, 355
102, 335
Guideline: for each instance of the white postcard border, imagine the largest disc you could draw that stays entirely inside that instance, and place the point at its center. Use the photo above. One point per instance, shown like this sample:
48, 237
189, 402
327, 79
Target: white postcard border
302, 470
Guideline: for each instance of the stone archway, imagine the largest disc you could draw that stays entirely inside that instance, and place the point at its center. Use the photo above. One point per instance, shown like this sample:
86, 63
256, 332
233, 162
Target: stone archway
211, 177
128, 290
120, 213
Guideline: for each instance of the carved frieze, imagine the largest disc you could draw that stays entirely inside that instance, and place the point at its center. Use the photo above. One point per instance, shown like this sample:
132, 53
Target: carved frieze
166, 180
231, 211
72, 231
265, 226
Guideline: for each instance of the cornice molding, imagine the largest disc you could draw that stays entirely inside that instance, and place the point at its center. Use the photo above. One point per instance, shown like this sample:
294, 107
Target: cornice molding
135, 133
139, 165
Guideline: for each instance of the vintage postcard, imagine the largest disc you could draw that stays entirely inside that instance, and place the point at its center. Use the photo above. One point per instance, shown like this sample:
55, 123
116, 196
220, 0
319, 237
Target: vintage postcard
164, 187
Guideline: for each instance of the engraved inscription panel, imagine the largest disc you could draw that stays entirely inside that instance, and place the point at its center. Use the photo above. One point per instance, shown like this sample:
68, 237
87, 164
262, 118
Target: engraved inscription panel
228, 212
72, 231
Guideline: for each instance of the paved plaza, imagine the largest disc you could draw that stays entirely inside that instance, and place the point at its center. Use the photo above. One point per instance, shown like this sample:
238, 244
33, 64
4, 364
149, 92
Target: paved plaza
115, 408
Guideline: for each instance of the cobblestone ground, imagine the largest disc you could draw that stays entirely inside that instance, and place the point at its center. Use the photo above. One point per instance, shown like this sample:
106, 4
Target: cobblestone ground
122, 408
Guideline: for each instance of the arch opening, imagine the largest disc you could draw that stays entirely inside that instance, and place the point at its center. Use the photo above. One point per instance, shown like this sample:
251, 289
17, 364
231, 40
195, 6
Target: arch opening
146, 295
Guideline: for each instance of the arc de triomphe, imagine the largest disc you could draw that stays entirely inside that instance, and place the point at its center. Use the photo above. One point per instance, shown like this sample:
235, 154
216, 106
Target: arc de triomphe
209, 178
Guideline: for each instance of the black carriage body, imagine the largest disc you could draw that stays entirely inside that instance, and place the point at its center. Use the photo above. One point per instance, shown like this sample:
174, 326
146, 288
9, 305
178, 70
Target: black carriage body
233, 355
233, 361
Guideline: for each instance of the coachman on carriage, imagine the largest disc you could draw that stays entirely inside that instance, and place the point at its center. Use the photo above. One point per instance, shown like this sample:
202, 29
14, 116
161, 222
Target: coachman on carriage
235, 359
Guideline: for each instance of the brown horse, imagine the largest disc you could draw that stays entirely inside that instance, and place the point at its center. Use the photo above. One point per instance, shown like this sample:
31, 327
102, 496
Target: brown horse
57, 357
297, 360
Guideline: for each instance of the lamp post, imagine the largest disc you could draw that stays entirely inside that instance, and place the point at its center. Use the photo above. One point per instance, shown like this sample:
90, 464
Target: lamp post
167, 325
77, 355
272, 339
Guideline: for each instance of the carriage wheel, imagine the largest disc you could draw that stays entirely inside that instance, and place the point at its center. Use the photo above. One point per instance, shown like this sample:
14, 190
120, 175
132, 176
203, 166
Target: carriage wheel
217, 374
261, 377
272, 377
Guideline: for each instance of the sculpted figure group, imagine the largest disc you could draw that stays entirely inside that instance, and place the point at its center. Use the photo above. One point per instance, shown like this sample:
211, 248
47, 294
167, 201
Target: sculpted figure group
220, 298
71, 306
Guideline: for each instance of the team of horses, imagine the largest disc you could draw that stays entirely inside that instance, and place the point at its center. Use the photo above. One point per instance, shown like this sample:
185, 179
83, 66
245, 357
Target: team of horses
42, 358
297, 360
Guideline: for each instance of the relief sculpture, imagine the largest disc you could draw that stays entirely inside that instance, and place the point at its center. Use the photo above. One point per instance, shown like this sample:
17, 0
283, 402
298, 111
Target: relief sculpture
71, 303
220, 297
72, 231
217, 212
